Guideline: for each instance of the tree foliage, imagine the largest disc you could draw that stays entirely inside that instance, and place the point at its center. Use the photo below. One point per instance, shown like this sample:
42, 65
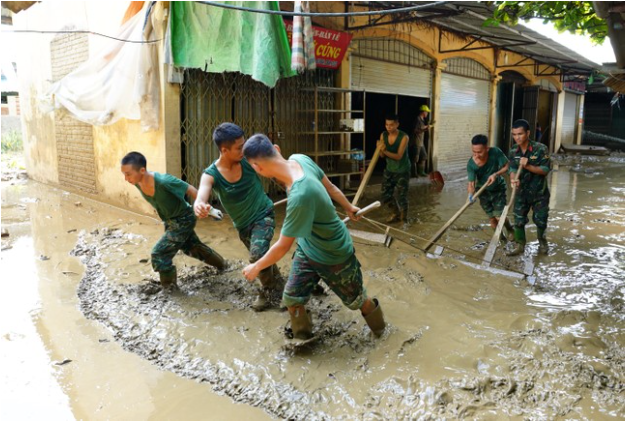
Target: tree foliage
576, 17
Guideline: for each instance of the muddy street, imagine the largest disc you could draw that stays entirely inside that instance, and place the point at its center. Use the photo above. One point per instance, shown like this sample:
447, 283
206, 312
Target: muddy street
87, 331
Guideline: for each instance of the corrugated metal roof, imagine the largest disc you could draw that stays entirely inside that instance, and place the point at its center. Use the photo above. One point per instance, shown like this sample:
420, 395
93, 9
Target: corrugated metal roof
467, 18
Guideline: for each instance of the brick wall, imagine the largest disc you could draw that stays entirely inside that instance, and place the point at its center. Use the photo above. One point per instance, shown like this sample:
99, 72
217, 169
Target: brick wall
75, 142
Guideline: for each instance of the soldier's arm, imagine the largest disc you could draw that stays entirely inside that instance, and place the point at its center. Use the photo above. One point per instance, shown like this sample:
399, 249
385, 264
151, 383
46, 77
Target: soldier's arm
201, 205
339, 197
274, 254
543, 165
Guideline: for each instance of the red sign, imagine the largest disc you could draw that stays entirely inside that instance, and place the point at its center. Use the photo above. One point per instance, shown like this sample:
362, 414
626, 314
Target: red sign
330, 45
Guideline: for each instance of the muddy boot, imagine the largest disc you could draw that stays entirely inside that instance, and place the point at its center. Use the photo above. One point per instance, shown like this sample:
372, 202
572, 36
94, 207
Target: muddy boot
208, 256
318, 290
421, 169
510, 230
374, 319
403, 216
543, 248
300, 320
520, 240
271, 291
393, 218
168, 281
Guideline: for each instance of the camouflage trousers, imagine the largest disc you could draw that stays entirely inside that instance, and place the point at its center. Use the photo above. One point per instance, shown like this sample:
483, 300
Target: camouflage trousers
493, 202
345, 279
391, 181
257, 238
179, 235
526, 201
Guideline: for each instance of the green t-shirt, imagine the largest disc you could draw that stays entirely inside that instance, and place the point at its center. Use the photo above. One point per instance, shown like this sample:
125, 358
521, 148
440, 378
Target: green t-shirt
496, 160
245, 200
311, 217
169, 198
397, 166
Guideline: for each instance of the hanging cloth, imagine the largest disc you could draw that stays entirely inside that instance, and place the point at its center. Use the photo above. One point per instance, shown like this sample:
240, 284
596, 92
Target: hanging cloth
303, 48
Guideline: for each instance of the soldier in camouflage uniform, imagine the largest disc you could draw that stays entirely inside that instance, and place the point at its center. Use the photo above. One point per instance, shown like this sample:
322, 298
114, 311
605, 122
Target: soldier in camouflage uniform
324, 250
534, 191
393, 143
167, 195
240, 191
486, 166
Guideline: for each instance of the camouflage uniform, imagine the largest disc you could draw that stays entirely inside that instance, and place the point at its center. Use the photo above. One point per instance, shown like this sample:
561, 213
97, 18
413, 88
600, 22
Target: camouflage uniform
493, 202
392, 180
257, 237
345, 279
534, 191
179, 235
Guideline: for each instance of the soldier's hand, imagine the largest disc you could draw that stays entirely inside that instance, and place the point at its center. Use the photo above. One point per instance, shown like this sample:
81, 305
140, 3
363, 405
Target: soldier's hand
380, 144
250, 272
201, 210
491, 179
515, 183
471, 199
523, 162
351, 213
215, 213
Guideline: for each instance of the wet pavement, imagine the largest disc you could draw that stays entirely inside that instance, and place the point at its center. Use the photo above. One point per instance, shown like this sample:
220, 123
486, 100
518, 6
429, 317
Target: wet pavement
86, 329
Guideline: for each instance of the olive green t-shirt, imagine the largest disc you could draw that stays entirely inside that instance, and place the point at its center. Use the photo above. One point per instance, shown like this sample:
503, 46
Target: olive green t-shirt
396, 166
245, 200
496, 160
169, 198
311, 217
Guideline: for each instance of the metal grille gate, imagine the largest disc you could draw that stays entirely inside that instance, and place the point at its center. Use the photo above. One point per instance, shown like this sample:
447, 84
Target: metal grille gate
208, 99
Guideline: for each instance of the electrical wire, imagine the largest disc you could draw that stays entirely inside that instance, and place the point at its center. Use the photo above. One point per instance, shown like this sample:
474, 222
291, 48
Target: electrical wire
327, 15
82, 32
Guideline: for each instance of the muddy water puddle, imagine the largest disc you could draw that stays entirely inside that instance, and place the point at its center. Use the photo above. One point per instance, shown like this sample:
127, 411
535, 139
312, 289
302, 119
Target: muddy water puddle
462, 343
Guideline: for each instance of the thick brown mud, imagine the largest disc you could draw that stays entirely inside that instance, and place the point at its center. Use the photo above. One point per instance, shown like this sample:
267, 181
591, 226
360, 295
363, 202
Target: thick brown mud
462, 343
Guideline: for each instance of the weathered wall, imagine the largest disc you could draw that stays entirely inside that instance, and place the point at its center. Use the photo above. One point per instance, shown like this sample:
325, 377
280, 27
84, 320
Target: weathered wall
84, 146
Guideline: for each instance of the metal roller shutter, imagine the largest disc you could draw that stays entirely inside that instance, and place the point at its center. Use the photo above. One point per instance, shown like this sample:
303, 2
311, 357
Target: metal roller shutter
464, 113
570, 119
390, 78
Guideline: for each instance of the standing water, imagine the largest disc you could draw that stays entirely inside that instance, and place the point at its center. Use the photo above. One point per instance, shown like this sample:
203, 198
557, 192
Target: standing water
84, 319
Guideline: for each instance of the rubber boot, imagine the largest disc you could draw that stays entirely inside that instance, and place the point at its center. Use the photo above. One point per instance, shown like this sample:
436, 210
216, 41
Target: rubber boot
520, 240
374, 319
414, 171
421, 169
396, 213
543, 248
300, 320
510, 230
271, 290
168, 280
208, 256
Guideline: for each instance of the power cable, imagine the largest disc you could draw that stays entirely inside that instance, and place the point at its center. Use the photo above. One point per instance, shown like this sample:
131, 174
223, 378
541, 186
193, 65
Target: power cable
82, 32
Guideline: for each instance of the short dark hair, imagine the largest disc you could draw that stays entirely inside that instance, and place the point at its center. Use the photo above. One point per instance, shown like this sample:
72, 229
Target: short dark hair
135, 159
521, 123
226, 133
391, 116
259, 147
479, 140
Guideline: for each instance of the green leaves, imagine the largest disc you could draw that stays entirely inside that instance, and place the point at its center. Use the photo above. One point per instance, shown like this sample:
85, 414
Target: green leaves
576, 17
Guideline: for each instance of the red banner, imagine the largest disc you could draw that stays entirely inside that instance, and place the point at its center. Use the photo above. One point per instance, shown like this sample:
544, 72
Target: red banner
330, 45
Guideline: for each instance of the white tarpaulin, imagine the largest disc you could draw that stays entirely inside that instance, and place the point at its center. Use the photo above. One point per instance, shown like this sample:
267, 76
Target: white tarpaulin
120, 82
